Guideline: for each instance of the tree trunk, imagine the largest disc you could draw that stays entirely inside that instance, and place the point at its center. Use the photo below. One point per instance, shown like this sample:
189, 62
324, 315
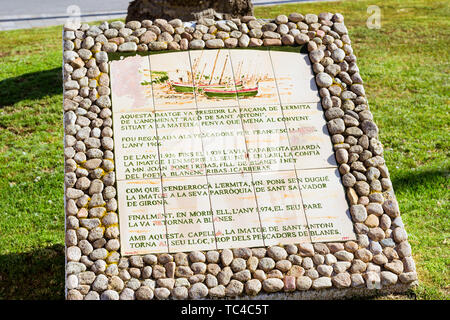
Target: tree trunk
188, 10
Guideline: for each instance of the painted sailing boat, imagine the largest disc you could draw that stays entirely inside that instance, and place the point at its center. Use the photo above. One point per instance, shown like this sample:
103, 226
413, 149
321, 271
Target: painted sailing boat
199, 82
230, 93
238, 90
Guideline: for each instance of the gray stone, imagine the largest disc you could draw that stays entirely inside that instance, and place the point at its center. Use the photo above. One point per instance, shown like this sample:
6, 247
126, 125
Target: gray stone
358, 212
74, 295
362, 188
215, 43
99, 253
236, 34
311, 18
85, 54
321, 283
244, 41
231, 43
127, 294
307, 263
197, 256
325, 270
399, 234
341, 266
144, 293
197, 44
375, 247
128, 47
266, 264
390, 207
338, 55
223, 26
277, 253
72, 193
408, 277
358, 89
226, 257
340, 28
198, 291
234, 288
301, 39
375, 208
283, 30
101, 57
158, 45
281, 19
357, 280
303, 283
180, 293
316, 55
73, 253
296, 17
238, 264
387, 242
369, 128
396, 266
342, 280
336, 126
306, 249
217, 292
100, 283
409, 264
272, 285
109, 295
253, 287
283, 265
255, 33
162, 293
373, 280
388, 278
271, 35
344, 255
341, 154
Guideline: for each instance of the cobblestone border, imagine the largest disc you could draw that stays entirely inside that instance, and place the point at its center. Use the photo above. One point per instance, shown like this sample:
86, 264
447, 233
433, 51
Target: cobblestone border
379, 259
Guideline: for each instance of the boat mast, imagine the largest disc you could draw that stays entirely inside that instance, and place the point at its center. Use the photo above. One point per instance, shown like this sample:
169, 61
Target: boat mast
223, 69
197, 62
214, 67
201, 75
238, 77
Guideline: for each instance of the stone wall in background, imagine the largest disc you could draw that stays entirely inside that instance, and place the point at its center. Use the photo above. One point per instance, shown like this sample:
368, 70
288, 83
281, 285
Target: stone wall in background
188, 10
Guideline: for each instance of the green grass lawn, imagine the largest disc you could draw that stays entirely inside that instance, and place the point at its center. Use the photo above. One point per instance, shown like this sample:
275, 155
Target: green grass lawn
405, 66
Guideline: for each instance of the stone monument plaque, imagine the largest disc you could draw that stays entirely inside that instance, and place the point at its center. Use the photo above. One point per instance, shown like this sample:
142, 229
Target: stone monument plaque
225, 159
223, 148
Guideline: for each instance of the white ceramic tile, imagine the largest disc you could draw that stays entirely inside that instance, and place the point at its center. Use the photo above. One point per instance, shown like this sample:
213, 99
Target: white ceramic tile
213, 78
235, 213
141, 217
136, 146
180, 144
280, 208
294, 77
266, 138
173, 87
223, 140
131, 89
253, 69
188, 214
309, 139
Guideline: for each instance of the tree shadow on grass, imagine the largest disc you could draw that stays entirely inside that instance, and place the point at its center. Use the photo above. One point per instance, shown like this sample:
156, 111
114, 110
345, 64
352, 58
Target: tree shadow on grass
35, 275
30, 86
414, 181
